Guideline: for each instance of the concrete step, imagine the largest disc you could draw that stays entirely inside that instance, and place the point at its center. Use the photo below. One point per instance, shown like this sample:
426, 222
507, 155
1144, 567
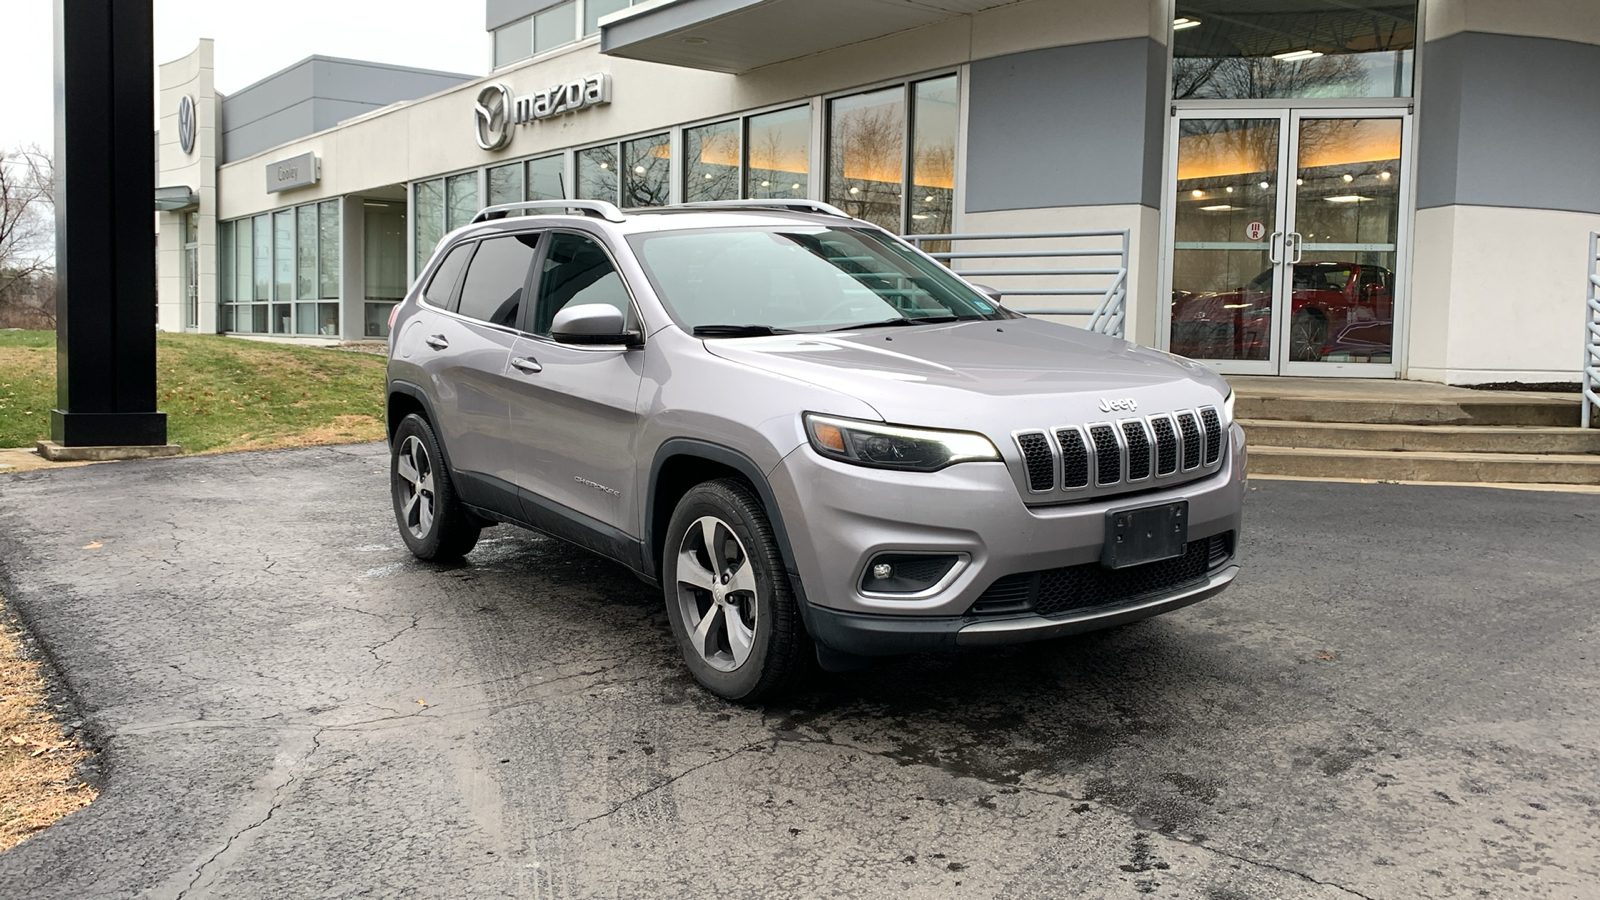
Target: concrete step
1424, 438
1391, 465
1477, 408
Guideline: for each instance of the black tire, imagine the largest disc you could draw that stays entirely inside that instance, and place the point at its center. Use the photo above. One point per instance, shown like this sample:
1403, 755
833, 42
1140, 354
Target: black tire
1308, 331
432, 521
768, 628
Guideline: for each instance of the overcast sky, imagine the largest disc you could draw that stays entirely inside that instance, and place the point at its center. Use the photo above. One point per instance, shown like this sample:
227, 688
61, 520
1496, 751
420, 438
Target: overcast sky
253, 41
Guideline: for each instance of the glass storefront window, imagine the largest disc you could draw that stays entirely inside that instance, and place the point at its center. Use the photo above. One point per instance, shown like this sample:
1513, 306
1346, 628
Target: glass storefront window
547, 178
597, 173
866, 155
283, 255
505, 184
934, 123
428, 200
263, 258
555, 26
384, 263
778, 154
647, 171
328, 280
1246, 49
461, 199
711, 162
225, 262
242, 279
306, 252
513, 42
595, 10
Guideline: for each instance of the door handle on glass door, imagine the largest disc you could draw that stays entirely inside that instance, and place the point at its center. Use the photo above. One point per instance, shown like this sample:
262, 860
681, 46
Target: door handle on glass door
1299, 246
523, 364
1272, 251
436, 341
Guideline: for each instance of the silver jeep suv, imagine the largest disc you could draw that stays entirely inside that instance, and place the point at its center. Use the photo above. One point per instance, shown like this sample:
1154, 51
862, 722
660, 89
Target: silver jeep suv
813, 437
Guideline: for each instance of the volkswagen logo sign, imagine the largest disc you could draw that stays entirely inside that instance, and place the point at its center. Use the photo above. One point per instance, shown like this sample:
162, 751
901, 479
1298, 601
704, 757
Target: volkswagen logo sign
492, 115
186, 124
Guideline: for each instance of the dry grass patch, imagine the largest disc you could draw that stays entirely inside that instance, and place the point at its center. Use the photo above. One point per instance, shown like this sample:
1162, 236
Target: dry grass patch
39, 781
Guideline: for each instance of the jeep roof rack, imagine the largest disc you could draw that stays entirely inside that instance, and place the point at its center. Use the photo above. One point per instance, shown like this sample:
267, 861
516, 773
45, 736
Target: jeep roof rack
599, 208
812, 206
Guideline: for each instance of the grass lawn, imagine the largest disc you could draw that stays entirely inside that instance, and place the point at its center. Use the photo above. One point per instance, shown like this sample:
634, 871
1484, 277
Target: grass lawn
219, 393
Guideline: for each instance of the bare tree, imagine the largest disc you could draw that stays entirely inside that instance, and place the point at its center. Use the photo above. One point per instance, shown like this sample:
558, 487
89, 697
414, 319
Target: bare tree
27, 230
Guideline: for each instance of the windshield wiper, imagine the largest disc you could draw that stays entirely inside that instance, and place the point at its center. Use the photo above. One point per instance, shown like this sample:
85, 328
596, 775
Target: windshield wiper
739, 330
896, 323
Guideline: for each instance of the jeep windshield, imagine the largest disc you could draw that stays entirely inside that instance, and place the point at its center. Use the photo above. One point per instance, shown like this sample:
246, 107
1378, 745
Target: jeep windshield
748, 282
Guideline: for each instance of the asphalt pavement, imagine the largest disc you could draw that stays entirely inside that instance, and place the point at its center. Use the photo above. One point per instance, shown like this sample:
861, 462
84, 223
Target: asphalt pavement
1397, 699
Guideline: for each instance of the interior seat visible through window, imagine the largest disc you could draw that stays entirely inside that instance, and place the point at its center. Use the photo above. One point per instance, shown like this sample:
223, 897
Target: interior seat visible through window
576, 271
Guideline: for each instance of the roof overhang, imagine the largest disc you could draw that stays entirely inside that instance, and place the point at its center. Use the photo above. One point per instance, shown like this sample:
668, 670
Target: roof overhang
735, 36
176, 198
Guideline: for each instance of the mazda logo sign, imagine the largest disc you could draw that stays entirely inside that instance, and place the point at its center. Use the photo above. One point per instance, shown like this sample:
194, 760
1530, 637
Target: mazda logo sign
492, 115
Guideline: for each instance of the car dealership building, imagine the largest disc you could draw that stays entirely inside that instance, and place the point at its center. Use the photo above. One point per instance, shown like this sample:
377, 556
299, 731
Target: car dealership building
1306, 187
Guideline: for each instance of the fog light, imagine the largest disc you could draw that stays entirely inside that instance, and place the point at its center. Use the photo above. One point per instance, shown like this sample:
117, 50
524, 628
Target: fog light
906, 573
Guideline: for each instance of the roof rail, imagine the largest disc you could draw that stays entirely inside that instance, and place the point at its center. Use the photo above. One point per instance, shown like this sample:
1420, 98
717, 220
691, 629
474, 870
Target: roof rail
601, 208
812, 206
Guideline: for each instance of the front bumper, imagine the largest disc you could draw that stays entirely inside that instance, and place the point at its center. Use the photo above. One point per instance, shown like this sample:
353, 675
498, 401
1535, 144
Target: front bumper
838, 517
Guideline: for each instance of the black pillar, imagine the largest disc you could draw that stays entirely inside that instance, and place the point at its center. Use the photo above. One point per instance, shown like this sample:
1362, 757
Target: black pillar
105, 226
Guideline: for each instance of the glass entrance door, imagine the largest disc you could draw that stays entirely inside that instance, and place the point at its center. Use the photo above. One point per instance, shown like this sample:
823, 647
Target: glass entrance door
1285, 240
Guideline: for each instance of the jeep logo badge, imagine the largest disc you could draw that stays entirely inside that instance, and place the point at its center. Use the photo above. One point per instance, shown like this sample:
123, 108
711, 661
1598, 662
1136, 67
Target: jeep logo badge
1127, 404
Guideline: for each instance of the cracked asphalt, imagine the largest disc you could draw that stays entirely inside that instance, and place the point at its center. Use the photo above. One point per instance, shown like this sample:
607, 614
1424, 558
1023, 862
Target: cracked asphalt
1397, 699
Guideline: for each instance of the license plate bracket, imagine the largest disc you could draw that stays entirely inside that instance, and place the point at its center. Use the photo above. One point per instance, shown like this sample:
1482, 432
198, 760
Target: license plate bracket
1145, 534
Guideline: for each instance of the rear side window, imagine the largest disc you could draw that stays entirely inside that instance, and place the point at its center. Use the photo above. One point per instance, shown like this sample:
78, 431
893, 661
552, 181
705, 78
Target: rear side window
496, 279
577, 271
443, 285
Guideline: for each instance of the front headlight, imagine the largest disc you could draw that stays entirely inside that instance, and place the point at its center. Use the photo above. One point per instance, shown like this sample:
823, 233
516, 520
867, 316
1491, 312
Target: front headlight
894, 447
1227, 407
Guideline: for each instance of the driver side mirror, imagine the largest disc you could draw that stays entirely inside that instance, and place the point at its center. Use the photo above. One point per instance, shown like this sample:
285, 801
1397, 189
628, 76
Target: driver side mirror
993, 294
592, 323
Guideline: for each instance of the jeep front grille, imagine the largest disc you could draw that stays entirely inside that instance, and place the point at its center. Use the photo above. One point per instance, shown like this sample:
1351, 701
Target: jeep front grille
1122, 455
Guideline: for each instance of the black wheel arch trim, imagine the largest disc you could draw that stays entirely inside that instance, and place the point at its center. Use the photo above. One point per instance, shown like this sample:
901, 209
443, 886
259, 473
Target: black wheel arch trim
733, 459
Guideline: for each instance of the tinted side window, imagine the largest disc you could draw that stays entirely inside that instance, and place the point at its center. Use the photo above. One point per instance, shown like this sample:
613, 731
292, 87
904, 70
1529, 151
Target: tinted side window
443, 285
576, 271
495, 280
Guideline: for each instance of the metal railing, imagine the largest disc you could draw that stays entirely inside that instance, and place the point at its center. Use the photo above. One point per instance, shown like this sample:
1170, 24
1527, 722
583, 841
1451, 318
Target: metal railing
1003, 271
1591, 337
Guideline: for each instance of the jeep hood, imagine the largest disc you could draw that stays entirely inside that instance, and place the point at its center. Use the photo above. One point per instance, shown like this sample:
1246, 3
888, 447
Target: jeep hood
1021, 369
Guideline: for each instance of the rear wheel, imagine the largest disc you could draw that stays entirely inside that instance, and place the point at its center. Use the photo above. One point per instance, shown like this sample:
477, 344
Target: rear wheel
432, 521
728, 596
1308, 331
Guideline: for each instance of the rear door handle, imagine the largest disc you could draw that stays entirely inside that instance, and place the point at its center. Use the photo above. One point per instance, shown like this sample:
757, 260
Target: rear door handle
523, 364
436, 341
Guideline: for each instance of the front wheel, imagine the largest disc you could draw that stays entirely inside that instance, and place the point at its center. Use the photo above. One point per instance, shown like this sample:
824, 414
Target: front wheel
728, 596
432, 521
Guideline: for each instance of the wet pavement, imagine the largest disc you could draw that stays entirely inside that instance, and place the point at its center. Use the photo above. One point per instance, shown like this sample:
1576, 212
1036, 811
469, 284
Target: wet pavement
1397, 699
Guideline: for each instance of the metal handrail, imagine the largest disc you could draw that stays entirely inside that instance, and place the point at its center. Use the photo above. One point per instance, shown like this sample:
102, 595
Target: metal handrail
1108, 316
604, 210
1591, 342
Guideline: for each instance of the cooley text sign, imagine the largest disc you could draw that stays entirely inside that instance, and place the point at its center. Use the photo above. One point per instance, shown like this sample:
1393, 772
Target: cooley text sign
298, 171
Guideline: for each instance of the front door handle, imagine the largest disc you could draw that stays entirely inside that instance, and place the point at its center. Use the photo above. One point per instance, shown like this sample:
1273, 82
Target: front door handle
436, 341
523, 364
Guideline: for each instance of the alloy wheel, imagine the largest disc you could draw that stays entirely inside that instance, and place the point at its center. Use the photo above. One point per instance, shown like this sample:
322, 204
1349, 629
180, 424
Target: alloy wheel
415, 487
717, 593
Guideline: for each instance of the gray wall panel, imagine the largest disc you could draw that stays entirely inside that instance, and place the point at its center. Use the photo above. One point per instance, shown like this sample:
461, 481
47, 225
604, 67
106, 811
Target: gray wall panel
1067, 126
1509, 121
317, 93
504, 12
